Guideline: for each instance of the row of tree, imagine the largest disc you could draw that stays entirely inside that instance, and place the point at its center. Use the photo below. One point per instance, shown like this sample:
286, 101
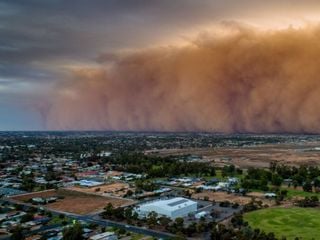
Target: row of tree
260, 179
155, 166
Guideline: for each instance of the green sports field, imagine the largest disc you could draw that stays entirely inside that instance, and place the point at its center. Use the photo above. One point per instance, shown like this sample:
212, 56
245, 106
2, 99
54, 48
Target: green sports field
289, 222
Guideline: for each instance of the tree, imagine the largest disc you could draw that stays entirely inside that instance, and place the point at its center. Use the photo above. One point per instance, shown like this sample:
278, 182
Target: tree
284, 192
108, 210
313, 201
201, 226
129, 193
27, 183
17, 233
273, 166
128, 212
276, 180
316, 183
26, 218
152, 219
73, 233
118, 213
307, 186
179, 221
237, 221
177, 226
164, 221
135, 215
191, 229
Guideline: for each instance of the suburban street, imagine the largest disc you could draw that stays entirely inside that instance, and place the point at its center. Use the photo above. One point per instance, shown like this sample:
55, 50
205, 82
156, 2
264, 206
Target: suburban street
97, 220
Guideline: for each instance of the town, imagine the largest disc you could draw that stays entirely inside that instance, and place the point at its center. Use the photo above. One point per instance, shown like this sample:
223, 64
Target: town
104, 185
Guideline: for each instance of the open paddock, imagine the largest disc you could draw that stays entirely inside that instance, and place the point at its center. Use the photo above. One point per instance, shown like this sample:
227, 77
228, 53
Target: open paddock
253, 156
223, 196
73, 201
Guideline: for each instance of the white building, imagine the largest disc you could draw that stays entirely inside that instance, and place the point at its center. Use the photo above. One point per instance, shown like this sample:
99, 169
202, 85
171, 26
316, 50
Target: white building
88, 183
104, 236
201, 214
270, 195
172, 208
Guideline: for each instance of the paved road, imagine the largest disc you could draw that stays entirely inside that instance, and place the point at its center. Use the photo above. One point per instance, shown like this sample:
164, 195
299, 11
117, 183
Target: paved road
95, 219
131, 228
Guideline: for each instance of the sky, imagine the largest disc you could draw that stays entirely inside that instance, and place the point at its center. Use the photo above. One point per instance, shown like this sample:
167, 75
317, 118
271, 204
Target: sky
164, 65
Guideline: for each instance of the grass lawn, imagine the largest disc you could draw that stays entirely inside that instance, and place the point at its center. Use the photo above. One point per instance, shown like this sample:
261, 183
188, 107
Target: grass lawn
219, 175
300, 193
289, 222
140, 237
57, 220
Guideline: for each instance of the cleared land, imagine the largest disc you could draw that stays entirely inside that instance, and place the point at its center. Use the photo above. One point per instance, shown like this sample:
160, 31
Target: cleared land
115, 189
290, 222
223, 196
75, 202
253, 156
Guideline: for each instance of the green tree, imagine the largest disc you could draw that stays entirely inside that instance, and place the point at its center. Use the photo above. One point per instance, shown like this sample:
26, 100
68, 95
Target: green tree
73, 233
307, 186
191, 229
164, 221
108, 210
316, 183
276, 180
152, 219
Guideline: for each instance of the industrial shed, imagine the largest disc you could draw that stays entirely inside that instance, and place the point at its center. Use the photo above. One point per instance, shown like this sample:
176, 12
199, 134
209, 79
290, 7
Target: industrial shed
172, 208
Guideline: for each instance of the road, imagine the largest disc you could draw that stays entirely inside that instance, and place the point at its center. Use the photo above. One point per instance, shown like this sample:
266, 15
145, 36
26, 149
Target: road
95, 219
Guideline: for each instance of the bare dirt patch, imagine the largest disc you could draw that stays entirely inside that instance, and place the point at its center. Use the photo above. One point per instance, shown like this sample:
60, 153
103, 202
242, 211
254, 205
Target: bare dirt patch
113, 189
75, 202
223, 196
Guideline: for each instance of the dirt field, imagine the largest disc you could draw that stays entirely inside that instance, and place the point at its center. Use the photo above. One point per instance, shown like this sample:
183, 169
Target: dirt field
114, 189
223, 196
254, 156
75, 202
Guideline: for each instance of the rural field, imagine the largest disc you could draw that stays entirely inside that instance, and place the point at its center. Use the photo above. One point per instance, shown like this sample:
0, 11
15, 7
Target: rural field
253, 156
290, 222
75, 202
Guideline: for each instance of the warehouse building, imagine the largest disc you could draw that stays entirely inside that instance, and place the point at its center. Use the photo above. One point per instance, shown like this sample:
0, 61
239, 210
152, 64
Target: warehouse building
172, 208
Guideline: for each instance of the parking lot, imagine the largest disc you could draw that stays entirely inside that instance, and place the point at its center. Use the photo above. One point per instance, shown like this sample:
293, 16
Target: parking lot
219, 213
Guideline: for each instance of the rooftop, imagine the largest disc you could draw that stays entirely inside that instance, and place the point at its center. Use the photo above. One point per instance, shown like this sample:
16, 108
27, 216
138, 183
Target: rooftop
172, 204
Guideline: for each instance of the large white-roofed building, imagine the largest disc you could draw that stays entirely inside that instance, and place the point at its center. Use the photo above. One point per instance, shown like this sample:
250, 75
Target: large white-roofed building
172, 208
